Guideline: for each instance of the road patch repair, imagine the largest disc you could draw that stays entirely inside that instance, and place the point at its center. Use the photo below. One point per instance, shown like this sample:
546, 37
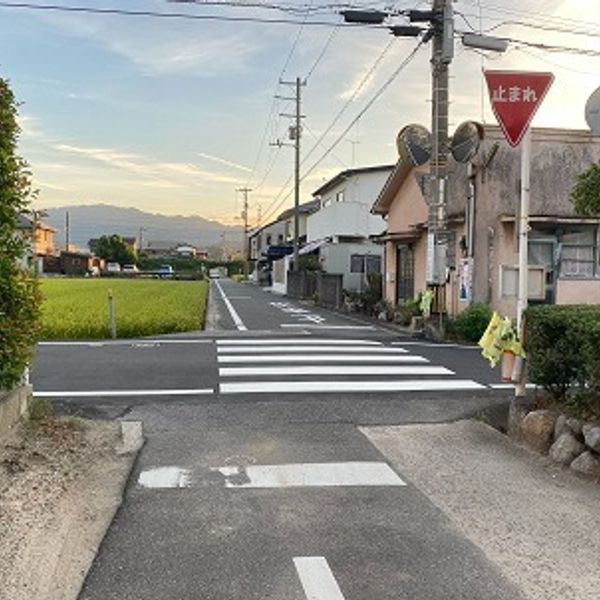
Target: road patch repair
61, 483
537, 522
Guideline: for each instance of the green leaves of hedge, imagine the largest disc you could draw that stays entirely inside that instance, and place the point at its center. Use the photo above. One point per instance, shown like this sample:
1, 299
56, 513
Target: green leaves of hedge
19, 297
563, 348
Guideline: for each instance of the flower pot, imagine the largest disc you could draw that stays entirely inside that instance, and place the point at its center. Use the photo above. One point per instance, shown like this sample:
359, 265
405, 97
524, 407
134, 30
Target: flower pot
508, 363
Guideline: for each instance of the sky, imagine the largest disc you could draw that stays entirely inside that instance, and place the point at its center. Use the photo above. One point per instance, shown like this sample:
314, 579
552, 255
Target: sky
173, 116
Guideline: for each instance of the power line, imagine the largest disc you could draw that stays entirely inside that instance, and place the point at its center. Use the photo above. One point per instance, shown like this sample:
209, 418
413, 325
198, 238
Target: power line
177, 15
366, 77
362, 112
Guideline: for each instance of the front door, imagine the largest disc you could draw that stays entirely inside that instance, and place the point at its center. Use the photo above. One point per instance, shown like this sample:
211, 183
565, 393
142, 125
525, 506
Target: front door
405, 273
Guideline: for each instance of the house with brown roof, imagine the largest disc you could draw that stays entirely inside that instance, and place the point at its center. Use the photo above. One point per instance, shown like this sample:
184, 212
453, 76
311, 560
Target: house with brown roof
483, 203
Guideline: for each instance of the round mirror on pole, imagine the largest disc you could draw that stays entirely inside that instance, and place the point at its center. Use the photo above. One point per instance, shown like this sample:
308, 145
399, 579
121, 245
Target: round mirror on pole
414, 144
465, 141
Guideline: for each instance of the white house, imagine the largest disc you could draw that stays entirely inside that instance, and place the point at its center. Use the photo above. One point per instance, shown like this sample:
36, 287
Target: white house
340, 230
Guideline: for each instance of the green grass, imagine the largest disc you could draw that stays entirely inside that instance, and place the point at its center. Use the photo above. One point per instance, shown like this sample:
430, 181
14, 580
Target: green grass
78, 308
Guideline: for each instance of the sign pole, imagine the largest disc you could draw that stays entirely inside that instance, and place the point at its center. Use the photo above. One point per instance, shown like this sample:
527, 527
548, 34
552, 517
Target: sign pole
523, 247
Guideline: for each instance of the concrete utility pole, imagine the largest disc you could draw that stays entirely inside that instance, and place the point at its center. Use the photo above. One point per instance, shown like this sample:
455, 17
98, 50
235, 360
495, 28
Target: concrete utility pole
67, 231
246, 254
295, 136
442, 54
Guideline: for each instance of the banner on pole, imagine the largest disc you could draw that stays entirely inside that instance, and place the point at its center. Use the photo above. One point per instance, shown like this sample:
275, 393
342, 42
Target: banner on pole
515, 97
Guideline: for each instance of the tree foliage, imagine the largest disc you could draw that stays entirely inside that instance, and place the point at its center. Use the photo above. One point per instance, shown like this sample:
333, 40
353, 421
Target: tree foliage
114, 249
586, 192
19, 295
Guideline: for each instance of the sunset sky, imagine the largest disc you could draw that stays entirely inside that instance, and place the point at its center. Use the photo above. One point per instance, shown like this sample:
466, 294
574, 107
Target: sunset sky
170, 115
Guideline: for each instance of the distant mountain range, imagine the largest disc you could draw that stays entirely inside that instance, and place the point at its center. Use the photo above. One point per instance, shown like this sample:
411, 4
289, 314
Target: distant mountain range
94, 220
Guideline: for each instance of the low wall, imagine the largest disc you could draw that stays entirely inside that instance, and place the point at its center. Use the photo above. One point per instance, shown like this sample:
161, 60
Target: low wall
578, 291
13, 406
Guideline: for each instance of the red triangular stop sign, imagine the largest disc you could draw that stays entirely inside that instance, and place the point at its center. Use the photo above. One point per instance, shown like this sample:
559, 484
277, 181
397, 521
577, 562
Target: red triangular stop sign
515, 97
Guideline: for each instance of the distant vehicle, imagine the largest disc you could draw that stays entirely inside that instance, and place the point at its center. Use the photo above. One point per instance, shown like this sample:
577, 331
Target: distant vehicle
217, 272
113, 267
130, 269
165, 271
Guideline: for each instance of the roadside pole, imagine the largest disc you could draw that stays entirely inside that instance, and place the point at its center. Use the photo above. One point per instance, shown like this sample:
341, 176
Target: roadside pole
112, 318
520, 387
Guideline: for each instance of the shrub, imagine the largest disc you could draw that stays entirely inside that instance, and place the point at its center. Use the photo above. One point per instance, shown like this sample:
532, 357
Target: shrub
563, 350
470, 324
19, 297
406, 310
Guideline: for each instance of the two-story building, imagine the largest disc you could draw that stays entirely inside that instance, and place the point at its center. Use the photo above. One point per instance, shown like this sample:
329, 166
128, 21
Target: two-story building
340, 230
483, 205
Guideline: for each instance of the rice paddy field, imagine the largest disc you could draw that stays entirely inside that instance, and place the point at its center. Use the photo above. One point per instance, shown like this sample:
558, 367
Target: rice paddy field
78, 308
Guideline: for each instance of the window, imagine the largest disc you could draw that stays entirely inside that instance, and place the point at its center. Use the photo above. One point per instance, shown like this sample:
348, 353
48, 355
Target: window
579, 254
280, 239
326, 202
269, 238
357, 263
365, 263
339, 197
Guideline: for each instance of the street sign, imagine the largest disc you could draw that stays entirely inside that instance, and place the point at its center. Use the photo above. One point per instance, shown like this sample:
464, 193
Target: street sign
515, 97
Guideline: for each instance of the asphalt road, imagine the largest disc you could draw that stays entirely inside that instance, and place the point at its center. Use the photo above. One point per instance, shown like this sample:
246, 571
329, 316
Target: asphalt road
250, 489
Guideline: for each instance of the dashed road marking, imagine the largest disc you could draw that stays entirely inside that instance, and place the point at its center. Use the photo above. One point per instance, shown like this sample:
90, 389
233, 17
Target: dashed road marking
317, 579
342, 474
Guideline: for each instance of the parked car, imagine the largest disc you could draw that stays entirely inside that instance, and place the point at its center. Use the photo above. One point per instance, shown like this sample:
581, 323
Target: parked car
165, 271
113, 267
217, 272
130, 269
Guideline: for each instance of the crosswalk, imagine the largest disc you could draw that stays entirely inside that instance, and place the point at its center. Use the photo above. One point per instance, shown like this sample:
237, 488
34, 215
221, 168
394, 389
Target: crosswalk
305, 365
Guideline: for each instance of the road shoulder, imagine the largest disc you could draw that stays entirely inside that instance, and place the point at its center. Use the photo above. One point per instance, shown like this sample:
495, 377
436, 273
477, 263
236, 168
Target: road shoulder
59, 492
538, 523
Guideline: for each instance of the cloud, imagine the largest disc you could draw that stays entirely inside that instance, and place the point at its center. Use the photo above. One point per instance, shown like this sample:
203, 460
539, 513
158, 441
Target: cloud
224, 162
135, 163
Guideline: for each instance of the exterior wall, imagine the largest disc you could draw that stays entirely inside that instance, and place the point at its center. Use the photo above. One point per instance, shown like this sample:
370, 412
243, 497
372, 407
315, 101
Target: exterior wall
558, 156
335, 258
578, 291
259, 240
406, 211
351, 216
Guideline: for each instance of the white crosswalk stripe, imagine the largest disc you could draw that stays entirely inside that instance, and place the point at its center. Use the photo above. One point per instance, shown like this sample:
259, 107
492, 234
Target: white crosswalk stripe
295, 365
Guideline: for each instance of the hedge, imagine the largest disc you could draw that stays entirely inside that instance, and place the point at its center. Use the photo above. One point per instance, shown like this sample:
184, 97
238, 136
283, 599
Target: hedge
19, 296
563, 350
470, 324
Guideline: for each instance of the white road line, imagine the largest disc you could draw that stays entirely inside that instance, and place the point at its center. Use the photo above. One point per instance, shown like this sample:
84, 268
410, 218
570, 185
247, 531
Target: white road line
310, 475
317, 579
307, 326
434, 345
340, 349
332, 370
319, 358
236, 318
136, 343
165, 477
510, 386
123, 393
302, 340
409, 385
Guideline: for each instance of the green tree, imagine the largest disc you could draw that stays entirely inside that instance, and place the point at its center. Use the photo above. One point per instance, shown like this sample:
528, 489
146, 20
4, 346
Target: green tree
19, 295
586, 192
114, 249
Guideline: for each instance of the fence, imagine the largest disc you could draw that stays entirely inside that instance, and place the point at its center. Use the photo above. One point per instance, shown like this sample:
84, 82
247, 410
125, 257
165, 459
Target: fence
324, 288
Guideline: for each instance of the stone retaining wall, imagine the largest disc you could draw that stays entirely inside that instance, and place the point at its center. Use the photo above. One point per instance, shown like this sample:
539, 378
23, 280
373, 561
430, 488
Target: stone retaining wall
13, 406
567, 440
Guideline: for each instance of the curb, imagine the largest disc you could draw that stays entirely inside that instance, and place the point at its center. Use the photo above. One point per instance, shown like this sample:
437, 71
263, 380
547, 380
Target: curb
132, 438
